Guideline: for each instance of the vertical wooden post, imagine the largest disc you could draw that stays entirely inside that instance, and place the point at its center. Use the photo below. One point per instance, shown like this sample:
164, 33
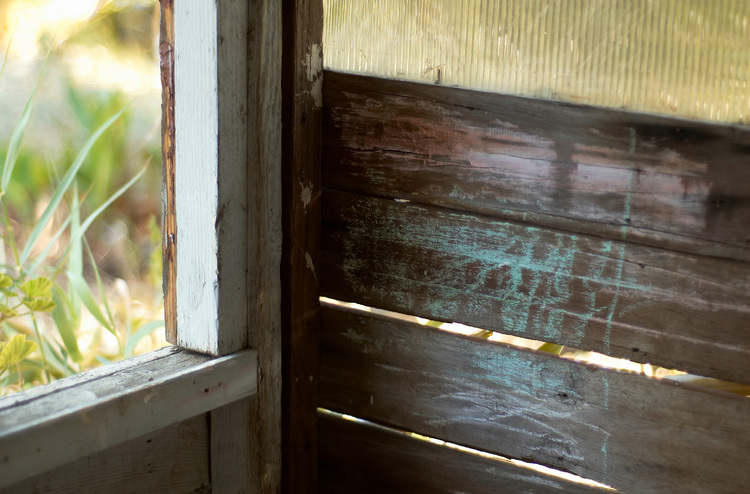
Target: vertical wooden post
223, 189
207, 278
246, 435
264, 233
302, 103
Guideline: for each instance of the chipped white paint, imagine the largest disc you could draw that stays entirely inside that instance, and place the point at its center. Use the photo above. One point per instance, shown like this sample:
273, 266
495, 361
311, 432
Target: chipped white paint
197, 157
314, 66
211, 175
306, 195
314, 62
310, 264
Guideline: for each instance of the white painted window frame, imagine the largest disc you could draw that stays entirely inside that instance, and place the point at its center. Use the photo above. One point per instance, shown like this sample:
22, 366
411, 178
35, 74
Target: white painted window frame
227, 71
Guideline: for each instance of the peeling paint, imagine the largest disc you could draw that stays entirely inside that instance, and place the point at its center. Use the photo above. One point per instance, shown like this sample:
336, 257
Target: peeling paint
310, 264
305, 194
314, 66
314, 62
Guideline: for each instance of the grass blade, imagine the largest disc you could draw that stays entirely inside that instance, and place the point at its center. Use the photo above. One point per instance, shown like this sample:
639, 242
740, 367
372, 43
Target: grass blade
99, 284
7, 50
18, 133
84, 292
15, 143
142, 332
90, 219
75, 259
66, 324
64, 186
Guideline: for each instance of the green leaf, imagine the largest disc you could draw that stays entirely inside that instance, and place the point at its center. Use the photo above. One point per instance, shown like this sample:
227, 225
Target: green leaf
40, 287
5, 281
66, 325
142, 332
64, 185
16, 350
84, 292
7, 312
39, 304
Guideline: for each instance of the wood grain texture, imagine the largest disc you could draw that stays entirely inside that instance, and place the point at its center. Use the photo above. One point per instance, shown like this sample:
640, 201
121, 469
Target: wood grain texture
169, 218
196, 174
263, 428
364, 458
659, 181
672, 309
170, 460
302, 101
211, 174
634, 433
232, 456
88, 413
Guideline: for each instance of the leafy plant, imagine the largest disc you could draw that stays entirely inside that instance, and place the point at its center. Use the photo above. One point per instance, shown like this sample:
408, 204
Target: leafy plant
15, 351
44, 296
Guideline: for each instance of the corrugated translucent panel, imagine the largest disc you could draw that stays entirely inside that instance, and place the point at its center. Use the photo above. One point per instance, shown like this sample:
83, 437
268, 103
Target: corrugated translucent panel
678, 57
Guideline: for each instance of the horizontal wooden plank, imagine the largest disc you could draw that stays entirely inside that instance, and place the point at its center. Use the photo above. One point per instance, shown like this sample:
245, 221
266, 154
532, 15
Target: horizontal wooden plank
362, 458
170, 460
668, 308
86, 414
637, 434
661, 181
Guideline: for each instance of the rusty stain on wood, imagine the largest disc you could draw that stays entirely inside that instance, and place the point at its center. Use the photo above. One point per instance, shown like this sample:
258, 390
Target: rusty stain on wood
169, 223
622, 429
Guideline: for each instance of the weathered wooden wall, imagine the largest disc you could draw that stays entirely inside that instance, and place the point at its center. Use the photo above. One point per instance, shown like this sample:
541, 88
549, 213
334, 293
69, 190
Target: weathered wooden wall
363, 458
624, 234
619, 428
602, 230
172, 460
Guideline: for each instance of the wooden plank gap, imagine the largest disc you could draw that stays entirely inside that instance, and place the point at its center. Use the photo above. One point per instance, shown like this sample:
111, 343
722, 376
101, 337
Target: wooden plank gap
361, 456
618, 428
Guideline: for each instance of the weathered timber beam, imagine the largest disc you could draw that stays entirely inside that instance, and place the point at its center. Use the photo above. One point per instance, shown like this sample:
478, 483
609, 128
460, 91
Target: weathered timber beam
50, 426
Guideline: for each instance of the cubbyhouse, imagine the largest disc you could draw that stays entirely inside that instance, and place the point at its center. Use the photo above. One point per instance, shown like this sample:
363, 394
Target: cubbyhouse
602, 228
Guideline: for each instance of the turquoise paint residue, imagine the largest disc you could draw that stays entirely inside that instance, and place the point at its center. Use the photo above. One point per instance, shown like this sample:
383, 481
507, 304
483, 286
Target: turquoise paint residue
533, 281
620, 266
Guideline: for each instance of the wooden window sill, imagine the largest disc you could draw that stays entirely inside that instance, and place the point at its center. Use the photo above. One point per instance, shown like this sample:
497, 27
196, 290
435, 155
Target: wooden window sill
74, 417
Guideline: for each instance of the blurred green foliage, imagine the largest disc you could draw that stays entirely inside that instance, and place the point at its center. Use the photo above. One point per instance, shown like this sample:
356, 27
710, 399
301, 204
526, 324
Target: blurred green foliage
100, 279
